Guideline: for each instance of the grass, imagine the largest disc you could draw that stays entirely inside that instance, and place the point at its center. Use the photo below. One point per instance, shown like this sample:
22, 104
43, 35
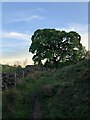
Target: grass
0, 104
62, 93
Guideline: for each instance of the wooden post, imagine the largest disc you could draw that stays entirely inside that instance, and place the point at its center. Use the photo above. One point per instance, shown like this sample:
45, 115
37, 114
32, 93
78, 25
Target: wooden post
15, 78
23, 74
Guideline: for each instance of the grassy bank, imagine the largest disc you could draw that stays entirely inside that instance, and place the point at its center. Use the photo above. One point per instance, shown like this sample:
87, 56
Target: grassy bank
62, 93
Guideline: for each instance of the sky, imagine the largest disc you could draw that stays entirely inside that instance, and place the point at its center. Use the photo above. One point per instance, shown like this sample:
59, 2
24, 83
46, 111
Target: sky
45, 0
21, 19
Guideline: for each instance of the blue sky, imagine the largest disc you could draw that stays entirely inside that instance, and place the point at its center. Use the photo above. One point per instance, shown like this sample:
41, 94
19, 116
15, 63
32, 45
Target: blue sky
20, 20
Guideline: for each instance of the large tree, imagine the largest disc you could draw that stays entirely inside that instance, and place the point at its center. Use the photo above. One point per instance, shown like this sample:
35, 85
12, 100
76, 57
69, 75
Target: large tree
54, 46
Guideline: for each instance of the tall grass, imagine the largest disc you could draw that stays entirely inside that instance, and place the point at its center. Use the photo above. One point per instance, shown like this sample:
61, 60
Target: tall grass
61, 93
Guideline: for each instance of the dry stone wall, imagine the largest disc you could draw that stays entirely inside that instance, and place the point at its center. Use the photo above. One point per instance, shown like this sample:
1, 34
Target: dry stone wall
9, 79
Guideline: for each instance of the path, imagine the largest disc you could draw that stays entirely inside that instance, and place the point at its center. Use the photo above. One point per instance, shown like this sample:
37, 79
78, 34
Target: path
36, 109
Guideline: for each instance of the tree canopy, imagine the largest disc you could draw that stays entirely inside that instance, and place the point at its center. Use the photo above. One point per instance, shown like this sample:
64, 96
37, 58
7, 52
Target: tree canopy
54, 46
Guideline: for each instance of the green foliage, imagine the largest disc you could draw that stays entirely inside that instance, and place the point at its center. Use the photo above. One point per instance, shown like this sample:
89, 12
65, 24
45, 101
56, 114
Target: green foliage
56, 46
62, 93
8, 68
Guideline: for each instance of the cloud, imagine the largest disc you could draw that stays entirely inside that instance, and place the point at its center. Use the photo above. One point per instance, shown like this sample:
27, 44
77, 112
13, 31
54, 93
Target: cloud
13, 41
78, 27
11, 60
84, 40
15, 35
75, 27
21, 52
26, 19
9, 39
15, 47
14, 60
40, 9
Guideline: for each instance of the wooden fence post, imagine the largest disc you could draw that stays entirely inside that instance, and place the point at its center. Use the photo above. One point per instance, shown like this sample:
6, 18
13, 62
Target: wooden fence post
15, 78
23, 74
